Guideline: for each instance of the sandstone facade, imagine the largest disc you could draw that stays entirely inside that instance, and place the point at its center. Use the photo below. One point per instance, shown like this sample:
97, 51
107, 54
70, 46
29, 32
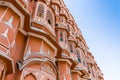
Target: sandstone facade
40, 40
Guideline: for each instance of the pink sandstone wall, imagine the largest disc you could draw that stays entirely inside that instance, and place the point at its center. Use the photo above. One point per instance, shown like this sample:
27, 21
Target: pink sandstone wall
40, 40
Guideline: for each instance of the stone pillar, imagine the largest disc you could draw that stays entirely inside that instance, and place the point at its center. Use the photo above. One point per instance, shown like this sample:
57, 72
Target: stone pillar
64, 69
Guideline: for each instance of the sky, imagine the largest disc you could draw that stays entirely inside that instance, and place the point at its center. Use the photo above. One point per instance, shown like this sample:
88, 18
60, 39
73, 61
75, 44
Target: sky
99, 21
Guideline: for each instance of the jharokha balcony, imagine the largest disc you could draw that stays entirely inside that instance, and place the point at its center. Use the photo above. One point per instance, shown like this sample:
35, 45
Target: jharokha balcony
83, 69
41, 54
44, 23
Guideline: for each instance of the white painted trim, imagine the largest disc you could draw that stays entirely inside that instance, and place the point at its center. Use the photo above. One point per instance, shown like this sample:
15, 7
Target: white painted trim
15, 10
4, 14
3, 54
37, 29
26, 48
23, 31
26, 62
30, 60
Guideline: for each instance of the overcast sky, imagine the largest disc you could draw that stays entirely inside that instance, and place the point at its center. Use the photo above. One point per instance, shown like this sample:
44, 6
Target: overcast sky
99, 21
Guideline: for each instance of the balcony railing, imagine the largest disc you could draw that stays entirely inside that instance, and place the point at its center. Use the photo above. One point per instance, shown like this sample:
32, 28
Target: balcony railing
45, 24
65, 55
83, 69
40, 54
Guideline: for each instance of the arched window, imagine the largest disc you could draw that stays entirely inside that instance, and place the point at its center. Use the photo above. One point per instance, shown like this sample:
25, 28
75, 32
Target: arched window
40, 12
78, 56
56, 9
49, 17
68, 28
61, 36
49, 21
71, 48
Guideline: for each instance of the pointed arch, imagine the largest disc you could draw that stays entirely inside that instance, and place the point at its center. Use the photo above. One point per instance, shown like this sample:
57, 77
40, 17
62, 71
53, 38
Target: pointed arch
39, 60
78, 55
40, 12
49, 17
49, 66
61, 36
30, 76
71, 48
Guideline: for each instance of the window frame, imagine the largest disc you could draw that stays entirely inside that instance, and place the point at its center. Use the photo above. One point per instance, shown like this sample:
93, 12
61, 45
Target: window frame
49, 17
61, 37
71, 48
78, 56
41, 10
